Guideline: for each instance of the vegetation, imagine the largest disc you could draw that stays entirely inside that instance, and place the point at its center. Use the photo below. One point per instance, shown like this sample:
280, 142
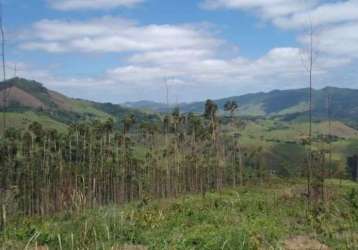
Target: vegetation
25, 96
251, 217
289, 104
97, 164
115, 176
101, 164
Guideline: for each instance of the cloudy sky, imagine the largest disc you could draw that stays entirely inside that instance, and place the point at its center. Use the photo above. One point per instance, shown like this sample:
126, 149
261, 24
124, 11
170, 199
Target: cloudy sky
127, 50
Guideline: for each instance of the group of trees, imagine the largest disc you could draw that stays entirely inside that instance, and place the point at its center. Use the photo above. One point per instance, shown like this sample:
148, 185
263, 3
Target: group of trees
352, 164
43, 171
95, 163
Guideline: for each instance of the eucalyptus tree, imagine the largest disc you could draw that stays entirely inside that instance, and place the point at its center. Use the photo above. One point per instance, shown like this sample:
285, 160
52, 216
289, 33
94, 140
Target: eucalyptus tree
211, 109
199, 135
309, 59
352, 167
175, 118
5, 91
127, 171
149, 132
231, 106
174, 172
218, 162
10, 170
97, 162
108, 126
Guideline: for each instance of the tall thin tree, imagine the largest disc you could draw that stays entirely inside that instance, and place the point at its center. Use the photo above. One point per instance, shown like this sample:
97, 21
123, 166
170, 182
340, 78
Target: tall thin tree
310, 70
4, 101
308, 62
315, 161
329, 117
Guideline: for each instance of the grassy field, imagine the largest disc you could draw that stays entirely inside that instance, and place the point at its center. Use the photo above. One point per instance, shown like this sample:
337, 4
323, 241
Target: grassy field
275, 129
272, 216
23, 120
271, 134
85, 107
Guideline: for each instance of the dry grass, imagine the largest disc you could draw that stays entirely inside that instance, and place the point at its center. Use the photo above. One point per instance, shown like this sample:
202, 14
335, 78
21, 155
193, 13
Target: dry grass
130, 247
303, 243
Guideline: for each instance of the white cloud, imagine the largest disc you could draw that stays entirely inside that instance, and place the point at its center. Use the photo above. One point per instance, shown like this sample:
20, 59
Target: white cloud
266, 8
293, 14
325, 14
109, 34
340, 40
139, 74
53, 47
91, 4
335, 23
192, 57
28, 71
175, 56
202, 76
279, 63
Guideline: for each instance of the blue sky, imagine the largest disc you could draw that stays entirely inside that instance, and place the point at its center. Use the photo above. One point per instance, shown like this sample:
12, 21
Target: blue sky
126, 50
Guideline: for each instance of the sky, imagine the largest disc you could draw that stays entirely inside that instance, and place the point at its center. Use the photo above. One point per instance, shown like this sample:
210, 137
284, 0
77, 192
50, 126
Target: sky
129, 50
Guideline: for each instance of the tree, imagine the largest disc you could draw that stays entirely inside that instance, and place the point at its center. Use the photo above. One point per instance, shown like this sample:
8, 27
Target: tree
210, 113
128, 122
309, 57
231, 106
329, 134
176, 118
5, 91
352, 167
94, 163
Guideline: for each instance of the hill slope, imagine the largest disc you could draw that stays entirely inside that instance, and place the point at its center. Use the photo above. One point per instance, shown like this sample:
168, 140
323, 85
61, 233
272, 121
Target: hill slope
29, 101
31, 96
269, 216
344, 103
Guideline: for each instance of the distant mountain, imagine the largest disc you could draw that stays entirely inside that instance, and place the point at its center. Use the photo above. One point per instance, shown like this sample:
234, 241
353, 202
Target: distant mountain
147, 105
30, 100
286, 103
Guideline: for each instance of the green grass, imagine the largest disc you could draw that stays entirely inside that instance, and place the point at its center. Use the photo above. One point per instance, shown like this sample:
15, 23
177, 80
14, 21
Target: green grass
300, 107
270, 134
23, 120
253, 217
275, 129
252, 110
85, 107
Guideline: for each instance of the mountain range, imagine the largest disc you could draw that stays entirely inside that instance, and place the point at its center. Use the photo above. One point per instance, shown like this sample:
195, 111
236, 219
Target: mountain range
341, 103
29, 101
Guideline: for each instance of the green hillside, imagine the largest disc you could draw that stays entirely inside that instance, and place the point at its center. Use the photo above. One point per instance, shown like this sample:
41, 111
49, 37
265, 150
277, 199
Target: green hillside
25, 95
22, 120
280, 123
290, 103
29, 101
343, 102
279, 127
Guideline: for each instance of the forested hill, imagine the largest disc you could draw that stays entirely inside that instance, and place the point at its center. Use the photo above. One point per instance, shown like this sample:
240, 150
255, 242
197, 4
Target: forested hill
29, 101
343, 103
